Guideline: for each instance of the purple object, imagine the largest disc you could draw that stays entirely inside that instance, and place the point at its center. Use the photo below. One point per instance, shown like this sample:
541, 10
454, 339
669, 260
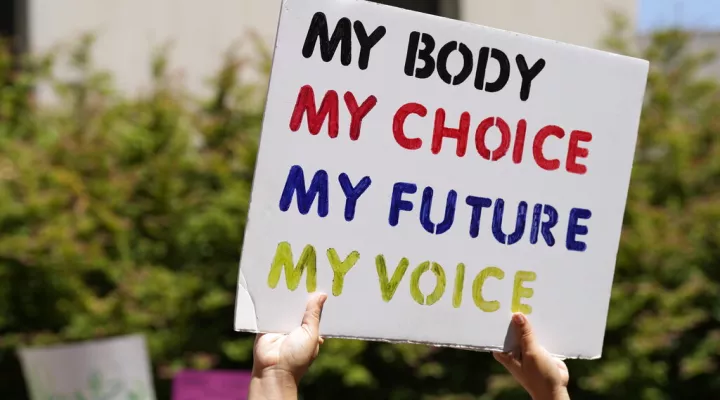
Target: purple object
211, 385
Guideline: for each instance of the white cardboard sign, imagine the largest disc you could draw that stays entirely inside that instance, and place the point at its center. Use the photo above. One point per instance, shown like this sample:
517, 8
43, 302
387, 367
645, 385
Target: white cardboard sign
117, 368
434, 176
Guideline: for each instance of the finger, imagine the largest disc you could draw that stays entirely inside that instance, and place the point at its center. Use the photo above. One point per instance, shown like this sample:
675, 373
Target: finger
262, 337
313, 310
267, 338
321, 340
316, 352
564, 372
507, 360
524, 333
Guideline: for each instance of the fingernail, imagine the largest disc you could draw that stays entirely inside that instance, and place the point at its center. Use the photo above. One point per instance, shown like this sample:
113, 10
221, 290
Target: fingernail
519, 319
323, 297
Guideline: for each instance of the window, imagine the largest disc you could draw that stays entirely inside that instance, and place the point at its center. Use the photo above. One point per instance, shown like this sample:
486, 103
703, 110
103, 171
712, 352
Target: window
7, 19
445, 8
13, 22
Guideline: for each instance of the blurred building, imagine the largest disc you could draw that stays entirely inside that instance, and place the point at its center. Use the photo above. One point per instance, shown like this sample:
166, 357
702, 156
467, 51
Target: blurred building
200, 31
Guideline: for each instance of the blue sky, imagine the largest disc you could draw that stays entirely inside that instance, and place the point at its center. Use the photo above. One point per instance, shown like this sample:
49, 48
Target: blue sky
697, 14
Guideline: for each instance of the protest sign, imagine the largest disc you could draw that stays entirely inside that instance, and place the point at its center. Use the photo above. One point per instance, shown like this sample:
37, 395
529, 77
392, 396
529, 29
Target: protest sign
117, 368
211, 385
433, 177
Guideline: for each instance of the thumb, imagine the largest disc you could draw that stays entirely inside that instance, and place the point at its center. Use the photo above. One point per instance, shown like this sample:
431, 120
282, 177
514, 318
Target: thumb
311, 318
524, 333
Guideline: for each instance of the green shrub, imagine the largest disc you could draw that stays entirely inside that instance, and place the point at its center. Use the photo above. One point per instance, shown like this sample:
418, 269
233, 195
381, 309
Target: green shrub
123, 214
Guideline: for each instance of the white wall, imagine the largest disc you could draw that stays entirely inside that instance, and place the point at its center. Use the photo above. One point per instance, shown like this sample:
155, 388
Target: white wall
128, 31
201, 30
580, 22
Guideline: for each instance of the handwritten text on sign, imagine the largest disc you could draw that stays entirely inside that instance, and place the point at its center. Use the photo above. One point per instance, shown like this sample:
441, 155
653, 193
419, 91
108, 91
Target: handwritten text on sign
409, 161
535, 223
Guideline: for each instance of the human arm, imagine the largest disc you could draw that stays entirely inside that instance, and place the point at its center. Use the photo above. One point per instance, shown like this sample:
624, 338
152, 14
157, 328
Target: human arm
280, 360
543, 376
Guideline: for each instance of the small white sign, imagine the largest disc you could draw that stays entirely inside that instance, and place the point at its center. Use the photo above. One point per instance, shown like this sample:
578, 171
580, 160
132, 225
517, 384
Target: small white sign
434, 176
117, 368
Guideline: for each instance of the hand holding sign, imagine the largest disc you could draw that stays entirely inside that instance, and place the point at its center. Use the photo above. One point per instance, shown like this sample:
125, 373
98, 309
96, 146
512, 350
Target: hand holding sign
542, 375
279, 361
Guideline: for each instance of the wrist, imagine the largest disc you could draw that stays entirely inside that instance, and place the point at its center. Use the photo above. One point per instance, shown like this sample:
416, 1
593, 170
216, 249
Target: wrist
559, 393
273, 384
